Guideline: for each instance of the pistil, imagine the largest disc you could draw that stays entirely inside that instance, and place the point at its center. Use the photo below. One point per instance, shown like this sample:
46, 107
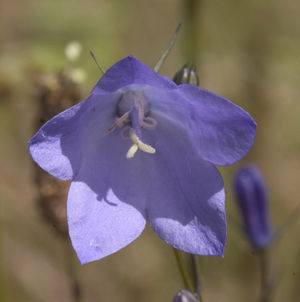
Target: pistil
132, 116
137, 118
136, 121
138, 144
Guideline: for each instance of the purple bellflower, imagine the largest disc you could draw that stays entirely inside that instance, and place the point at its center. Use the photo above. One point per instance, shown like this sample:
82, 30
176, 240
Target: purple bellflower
142, 148
251, 195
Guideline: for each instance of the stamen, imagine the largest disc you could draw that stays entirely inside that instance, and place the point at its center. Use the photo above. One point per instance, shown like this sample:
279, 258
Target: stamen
147, 125
133, 109
122, 120
119, 122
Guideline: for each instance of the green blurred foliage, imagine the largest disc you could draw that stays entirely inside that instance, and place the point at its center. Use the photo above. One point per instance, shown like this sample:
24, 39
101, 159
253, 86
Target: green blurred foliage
246, 50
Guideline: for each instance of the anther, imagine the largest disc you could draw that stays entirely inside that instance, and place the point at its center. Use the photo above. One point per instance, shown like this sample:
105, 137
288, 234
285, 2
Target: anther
149, 123
131, 99
119, 122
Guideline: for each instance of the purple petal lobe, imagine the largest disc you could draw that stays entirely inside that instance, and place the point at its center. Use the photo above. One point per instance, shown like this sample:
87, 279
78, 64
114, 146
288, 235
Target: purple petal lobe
106, 203
46, 149
100, 225
225, 132
130, 71
185, 195
58, 146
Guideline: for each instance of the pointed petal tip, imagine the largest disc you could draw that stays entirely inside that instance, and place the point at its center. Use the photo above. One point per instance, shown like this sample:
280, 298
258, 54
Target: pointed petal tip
85, 260
220, 253
130, 70
227, 131
203, 251
131, 60
130, 57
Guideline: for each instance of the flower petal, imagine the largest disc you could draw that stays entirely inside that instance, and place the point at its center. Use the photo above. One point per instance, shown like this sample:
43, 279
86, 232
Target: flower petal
222, 132
106, 204
100, 225
185, 194
225, 131
131, 71
181, 195
58, 145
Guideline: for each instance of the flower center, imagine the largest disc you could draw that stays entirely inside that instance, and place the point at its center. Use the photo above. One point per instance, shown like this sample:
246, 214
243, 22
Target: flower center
133, 110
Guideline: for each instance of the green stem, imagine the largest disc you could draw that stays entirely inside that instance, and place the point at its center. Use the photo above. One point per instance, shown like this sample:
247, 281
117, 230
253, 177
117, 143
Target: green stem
168, 50
195, 275
191, 9
71, 268
182, 271
266, 281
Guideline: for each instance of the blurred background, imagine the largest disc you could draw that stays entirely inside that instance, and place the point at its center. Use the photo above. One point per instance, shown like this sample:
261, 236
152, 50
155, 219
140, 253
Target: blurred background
245, 50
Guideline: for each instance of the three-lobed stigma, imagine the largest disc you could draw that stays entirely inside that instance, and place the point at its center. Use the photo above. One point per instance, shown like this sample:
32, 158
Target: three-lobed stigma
138, 144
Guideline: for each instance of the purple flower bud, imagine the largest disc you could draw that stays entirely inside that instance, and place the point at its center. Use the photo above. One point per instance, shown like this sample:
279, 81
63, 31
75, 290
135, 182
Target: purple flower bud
184, 296
251, 194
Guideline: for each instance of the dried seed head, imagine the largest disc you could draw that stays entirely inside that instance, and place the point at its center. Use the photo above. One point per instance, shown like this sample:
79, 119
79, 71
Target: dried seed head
55, 93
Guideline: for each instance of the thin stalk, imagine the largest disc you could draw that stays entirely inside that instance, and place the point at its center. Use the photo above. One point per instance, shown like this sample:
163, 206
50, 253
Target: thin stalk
265, 277
97, 62
195, 276
191, 9
168, 50
182, 270
192, 15
71, 268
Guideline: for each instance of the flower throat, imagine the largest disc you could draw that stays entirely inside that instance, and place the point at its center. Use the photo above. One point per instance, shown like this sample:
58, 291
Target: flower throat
133, 111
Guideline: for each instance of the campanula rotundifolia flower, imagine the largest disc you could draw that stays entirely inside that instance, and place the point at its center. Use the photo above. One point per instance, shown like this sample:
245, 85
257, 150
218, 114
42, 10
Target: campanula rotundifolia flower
139, 148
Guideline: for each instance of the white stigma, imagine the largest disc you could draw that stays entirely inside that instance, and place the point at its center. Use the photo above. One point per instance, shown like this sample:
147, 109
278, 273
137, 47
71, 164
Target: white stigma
138, 144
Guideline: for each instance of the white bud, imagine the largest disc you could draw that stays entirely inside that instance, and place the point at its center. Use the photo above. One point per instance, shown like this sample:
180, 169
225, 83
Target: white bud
73, 50
78, 75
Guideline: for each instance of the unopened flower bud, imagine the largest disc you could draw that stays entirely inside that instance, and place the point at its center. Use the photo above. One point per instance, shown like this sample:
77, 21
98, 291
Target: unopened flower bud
185, 296
186, 75
251, 194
